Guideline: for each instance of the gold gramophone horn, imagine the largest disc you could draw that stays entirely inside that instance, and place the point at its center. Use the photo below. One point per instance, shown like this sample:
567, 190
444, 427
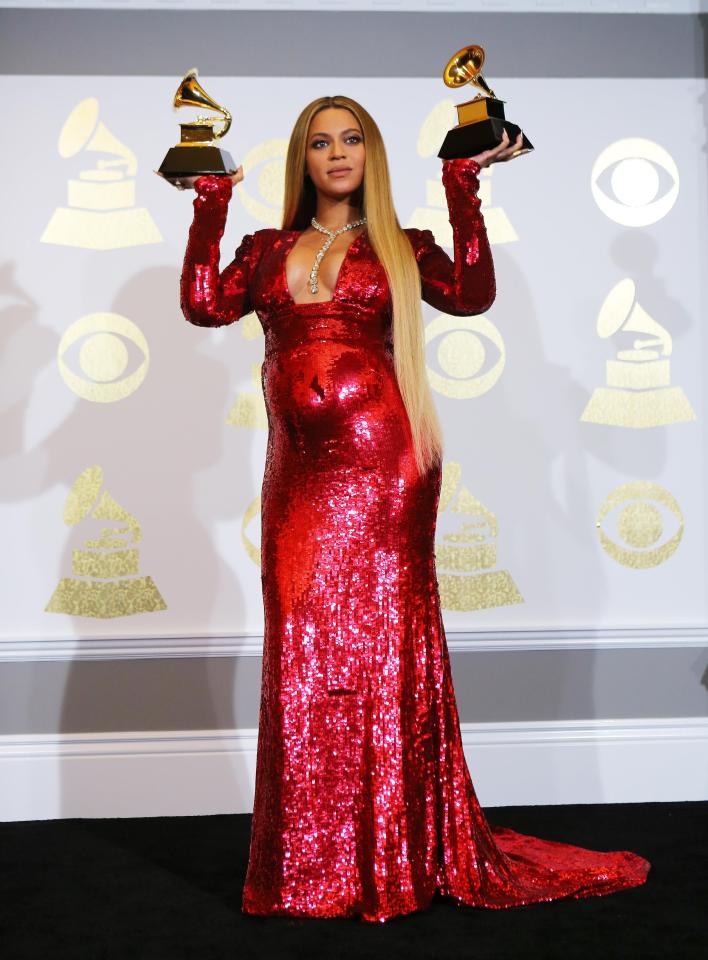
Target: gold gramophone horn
465, 67
191, 93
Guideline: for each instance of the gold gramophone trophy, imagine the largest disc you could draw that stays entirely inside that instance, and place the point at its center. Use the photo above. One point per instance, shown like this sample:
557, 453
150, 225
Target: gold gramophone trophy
197, 154
481, 122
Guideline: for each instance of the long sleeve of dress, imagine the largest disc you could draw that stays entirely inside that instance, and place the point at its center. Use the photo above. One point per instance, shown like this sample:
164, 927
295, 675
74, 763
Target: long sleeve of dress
466, 285
209, 298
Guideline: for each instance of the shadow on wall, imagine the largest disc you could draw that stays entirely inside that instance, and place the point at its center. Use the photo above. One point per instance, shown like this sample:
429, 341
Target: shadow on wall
165, 452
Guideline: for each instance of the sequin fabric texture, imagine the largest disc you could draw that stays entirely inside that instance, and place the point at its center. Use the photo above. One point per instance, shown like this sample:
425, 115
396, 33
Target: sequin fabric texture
364, 805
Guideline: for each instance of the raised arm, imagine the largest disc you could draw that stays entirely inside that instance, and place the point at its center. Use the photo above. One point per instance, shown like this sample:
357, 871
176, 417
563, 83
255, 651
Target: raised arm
208, 298
466, 286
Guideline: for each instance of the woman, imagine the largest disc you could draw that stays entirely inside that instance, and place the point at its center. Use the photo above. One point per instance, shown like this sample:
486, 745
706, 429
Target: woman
364, 805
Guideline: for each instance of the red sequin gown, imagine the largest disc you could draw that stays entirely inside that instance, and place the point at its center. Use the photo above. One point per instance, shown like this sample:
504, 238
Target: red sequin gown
364, 804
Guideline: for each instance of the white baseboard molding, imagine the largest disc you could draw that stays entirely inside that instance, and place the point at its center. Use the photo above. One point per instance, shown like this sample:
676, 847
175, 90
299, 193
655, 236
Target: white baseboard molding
191, 773
33, 649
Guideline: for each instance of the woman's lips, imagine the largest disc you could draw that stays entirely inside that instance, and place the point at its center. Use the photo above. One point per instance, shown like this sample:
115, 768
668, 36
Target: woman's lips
341, 172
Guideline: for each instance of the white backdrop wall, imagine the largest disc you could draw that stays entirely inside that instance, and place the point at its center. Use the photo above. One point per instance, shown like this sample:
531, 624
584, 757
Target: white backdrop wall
91, 297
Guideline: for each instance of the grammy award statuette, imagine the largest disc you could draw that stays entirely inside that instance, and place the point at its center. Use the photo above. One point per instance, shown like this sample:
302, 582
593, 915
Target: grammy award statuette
197, 153
481, 121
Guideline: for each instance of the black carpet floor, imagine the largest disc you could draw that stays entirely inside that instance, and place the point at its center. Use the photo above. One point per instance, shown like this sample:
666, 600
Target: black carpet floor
170, 887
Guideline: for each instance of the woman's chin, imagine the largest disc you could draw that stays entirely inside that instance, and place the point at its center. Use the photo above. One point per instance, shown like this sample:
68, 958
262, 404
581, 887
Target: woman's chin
338, 191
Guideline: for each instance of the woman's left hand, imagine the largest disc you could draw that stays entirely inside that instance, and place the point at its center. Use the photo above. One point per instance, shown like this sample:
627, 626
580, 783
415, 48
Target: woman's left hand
505, 150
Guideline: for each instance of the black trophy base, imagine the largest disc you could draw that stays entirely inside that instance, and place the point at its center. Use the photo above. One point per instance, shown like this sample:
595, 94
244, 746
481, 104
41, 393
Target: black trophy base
182, 165
470, 139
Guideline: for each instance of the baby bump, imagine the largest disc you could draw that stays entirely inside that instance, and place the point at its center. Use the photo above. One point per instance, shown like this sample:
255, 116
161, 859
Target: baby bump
333, 390
324, 381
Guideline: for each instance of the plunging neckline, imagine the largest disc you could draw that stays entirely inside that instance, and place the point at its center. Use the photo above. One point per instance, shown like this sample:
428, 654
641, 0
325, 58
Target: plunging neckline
340, 272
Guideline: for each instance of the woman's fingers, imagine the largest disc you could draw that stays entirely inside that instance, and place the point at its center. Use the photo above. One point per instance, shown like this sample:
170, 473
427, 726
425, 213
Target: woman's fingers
500, 147
510, 150
505, 149
489, 156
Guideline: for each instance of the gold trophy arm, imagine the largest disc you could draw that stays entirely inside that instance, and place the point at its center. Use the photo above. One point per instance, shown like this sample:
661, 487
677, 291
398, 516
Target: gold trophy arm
191, 93
210, 121
227, 124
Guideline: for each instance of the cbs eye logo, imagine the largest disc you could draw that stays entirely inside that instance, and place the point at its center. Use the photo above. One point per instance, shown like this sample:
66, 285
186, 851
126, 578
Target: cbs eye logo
639, 167
264, 167
461, 355
640, 523
109, 342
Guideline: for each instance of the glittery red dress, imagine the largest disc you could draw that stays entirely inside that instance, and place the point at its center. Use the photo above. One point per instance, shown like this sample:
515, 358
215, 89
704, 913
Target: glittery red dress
364, 804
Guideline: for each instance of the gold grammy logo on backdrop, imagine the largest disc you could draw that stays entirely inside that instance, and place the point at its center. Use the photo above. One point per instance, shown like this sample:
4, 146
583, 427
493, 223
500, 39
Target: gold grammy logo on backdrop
461, 354
434, 215
635, 182
640, 523
105, 581
101, 212
638, 391
103, 357
465, 558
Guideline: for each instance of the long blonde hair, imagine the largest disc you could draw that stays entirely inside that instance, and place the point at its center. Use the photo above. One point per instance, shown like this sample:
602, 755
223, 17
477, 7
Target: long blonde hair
394, 251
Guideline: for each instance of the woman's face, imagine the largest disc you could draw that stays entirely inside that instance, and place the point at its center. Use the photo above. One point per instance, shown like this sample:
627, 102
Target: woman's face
335, 152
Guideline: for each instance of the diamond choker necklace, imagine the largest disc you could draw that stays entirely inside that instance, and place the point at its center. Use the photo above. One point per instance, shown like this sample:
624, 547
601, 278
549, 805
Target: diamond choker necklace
331, 234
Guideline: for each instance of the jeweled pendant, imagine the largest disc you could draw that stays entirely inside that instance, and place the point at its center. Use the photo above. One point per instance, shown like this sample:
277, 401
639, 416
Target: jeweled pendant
331, 234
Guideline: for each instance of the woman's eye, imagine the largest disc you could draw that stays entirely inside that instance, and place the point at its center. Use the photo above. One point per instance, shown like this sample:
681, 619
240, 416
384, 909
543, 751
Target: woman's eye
355, 137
